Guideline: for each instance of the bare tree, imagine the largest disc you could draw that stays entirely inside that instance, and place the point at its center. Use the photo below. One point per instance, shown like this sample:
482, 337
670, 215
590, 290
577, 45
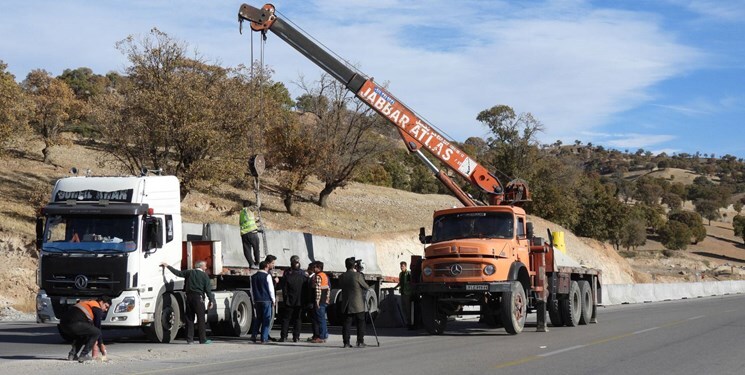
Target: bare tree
344, 136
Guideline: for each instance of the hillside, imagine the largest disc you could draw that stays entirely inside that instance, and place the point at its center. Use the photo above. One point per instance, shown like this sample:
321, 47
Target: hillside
388, 217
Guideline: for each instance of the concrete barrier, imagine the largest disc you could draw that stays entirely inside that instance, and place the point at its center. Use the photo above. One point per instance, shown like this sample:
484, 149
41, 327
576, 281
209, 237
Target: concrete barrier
616, 294
284, 244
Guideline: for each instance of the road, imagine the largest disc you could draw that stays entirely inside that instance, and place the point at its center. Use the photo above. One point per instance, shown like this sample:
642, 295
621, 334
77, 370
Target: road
701, 336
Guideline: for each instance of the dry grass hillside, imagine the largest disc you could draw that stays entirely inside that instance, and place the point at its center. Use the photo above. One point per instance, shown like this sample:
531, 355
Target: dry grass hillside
390, 218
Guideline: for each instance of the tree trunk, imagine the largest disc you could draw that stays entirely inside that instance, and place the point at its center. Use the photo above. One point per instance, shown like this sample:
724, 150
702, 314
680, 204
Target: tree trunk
288, 204
46, 151
323, 196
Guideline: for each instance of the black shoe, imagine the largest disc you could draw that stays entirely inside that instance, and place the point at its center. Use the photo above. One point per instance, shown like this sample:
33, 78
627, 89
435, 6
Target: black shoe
72, 357
189, 342
361, 345
296, 339
85, 358
272, 339
347, 345
281, 339
253, 339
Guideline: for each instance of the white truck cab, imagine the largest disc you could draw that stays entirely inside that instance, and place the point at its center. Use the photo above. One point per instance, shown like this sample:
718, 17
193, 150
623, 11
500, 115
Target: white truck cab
108, 236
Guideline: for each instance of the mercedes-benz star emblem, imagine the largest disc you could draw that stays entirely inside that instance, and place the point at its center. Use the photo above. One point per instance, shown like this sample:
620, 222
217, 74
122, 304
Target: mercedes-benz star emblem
456, 269
81, 281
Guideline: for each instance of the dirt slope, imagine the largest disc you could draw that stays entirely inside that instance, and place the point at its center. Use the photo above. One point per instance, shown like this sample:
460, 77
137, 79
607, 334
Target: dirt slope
390, 218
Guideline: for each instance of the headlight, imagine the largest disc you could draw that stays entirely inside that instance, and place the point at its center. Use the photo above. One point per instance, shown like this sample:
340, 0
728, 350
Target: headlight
427, 271
127, 305
489, 270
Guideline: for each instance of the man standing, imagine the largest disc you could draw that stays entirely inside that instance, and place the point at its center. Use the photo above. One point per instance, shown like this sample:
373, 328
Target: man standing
83, 322
196, 286
294, 286
353, 288
321, 292
404, 283
262, 289
249, 234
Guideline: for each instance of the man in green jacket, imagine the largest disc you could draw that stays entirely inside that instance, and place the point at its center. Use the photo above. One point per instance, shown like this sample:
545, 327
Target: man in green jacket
196, 286
249, 235
404, 283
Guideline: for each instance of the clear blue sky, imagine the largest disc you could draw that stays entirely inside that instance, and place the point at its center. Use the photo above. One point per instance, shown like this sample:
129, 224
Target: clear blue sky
662, 75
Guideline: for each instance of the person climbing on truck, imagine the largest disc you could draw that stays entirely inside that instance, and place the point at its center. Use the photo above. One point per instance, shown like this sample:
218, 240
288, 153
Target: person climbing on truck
249, 234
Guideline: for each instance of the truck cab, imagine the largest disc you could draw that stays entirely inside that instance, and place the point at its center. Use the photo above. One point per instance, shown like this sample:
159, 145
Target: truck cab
475, 244
107, 236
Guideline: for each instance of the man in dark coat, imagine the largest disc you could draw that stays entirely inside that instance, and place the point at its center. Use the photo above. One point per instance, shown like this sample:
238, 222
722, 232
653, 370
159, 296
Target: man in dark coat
295, 285
353, 288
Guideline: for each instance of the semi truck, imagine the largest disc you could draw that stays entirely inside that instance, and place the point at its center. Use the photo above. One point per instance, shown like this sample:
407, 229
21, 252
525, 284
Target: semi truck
108, 235
484, 254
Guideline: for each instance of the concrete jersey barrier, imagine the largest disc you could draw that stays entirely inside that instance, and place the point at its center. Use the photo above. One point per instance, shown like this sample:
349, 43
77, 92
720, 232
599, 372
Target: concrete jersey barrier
616, 294
284, 244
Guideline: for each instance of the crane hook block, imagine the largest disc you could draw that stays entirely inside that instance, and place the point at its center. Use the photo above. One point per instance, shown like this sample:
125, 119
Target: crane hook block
261, 19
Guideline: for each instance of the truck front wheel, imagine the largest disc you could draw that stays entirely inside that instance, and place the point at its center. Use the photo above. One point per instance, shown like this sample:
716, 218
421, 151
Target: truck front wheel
166, 319
514, 308
433, 319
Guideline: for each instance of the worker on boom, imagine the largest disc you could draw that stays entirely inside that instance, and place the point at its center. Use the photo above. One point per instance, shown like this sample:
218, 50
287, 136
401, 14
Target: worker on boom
83, 322
249, 234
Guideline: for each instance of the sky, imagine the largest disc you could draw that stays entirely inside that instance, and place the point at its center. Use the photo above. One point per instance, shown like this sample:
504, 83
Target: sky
659, 75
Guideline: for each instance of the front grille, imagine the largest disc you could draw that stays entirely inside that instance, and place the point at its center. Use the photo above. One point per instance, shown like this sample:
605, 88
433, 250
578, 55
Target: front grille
63, 275
99, 283
467, 269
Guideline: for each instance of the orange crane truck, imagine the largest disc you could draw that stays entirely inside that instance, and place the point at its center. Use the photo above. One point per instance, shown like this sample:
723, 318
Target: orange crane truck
484, 254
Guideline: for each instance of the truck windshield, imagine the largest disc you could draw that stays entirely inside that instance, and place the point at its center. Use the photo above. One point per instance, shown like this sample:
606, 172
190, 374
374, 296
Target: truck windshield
473, 225
80, 233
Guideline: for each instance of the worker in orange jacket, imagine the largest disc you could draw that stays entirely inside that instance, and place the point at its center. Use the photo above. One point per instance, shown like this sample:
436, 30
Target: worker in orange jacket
83, 322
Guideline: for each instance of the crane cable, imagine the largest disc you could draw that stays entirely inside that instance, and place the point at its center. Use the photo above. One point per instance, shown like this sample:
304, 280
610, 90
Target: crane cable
260, 118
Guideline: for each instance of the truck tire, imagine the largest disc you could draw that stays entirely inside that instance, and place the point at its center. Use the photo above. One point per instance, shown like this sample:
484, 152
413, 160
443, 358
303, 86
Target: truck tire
514, 308
586, 297
166, 319
333, 311
241, 314
554, 312
433, 320
571, 307
371, 305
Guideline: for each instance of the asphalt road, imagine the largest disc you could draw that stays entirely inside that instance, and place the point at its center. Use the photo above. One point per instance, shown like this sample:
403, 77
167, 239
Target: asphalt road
701, 336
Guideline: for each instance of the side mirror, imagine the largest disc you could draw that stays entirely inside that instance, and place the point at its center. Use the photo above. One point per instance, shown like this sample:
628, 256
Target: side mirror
530, 230
423, 237
153, 233
39, 232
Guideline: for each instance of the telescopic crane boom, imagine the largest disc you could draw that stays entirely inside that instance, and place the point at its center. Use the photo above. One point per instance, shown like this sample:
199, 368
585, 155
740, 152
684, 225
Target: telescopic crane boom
414, 131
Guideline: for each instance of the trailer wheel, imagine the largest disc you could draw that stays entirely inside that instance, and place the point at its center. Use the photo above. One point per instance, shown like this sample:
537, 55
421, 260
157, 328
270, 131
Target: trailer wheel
571, 308
433, 319
586, 297
554, 312
166, 319
371, 305
241, 314
333, 311
514, 308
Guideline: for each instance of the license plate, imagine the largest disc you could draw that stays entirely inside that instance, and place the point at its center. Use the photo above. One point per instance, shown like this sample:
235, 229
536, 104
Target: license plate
477, 287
